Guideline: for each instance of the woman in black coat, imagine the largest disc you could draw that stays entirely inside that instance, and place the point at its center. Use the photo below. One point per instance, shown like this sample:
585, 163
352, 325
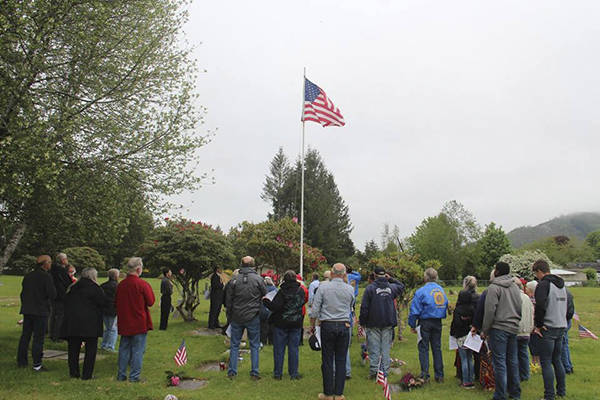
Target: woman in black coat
84, 303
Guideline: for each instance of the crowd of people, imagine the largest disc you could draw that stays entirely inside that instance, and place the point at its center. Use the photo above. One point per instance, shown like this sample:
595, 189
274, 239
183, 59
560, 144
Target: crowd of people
511, 319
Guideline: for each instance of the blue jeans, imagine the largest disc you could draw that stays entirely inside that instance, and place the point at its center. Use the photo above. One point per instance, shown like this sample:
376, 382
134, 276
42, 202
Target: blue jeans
379, 342
566, 354
237, 330
334, 348
131, 352
110, 332
431, 333
466, 365
550, 347
283, 337
523, 356
506, 364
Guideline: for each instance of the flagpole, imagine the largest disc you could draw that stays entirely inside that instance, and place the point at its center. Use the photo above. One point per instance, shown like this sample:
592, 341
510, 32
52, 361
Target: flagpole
302, 181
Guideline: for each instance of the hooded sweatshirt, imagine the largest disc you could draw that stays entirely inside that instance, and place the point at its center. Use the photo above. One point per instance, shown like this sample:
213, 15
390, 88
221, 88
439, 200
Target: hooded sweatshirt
553, 307
463, 313
502, 306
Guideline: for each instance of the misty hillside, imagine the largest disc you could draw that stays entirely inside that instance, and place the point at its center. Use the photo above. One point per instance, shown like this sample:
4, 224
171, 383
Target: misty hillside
578, 225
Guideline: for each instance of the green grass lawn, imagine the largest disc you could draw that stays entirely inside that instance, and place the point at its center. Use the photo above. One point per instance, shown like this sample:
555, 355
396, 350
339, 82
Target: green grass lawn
56, 384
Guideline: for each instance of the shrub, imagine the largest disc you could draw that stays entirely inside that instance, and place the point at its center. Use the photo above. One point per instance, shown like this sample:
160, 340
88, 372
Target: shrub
21, 265
591, 274
520, 264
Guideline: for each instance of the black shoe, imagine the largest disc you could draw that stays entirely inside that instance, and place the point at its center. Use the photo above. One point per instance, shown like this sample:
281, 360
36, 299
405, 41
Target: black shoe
231, 376
296, 377
348, 377
439, 380
277, 378
255, 377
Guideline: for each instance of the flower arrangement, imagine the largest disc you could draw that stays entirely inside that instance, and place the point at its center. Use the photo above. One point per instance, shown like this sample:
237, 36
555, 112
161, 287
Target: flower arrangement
409, 382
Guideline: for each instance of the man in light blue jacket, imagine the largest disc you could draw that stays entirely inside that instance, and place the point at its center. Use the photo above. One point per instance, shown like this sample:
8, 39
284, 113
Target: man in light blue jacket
428, 307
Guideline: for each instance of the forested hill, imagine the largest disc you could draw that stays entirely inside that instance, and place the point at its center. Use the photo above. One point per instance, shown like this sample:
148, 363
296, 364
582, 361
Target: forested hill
578, 225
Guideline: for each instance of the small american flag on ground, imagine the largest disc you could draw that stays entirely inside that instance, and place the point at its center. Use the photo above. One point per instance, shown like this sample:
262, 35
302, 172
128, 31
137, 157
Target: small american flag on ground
586, 333
181, 355
382, 380
319, 108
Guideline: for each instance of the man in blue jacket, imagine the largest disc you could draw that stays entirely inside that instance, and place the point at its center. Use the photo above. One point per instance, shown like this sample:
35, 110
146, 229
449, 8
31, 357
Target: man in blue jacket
428, 307
378, 316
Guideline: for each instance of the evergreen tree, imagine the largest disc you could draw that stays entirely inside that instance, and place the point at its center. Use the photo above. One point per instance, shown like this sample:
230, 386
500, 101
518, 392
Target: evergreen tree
274, 184
326, 216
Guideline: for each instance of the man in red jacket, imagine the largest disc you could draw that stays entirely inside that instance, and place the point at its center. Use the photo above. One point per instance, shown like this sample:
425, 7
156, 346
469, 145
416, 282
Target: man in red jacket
132, 300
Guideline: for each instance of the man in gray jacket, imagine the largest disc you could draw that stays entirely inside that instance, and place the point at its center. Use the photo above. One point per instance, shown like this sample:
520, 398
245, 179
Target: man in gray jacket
243, 299
501, 324
553, 307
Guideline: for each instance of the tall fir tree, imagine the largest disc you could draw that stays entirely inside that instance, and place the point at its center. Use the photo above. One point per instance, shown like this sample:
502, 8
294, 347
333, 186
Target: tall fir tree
327, 223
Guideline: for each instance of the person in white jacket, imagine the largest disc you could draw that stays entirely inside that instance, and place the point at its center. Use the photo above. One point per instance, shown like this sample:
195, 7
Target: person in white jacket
525, 329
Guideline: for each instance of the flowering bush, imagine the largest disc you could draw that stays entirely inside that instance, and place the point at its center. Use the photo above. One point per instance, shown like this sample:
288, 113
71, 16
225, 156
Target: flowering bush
520, 264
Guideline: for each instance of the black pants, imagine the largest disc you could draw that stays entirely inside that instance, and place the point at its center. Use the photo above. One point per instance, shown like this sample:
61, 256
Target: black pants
91, 347
56, 318
215, 310
165, 310
335, 337
36, 325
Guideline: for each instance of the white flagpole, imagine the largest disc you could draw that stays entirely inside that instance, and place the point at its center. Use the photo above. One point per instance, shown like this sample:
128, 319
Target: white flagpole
302, 181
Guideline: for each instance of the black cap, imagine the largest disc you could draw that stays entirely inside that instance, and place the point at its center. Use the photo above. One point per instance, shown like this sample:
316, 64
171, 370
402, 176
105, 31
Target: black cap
379, 271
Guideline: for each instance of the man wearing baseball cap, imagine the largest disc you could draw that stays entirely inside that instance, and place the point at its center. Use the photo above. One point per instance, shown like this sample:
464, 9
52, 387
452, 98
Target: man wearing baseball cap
378, 316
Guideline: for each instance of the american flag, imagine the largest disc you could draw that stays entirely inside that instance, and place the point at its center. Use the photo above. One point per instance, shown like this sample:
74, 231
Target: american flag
585, 333
319, 108
181, 355
382, 380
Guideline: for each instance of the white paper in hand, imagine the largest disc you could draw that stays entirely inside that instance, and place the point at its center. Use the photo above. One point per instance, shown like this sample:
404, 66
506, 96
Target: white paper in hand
271, 295
473, 342
318, 334
419, 337
228, 331
453, 343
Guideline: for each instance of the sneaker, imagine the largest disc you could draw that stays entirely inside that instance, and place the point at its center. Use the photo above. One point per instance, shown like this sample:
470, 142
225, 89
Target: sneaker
296, 377
40, 368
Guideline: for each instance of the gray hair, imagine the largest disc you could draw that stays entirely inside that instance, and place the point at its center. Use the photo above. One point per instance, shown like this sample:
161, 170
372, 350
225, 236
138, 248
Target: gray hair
113, 273
327, 275
269, 281
430, 275
61, 256
338, 269
90, 273
470, 282
492, 274
134, 263
531, 286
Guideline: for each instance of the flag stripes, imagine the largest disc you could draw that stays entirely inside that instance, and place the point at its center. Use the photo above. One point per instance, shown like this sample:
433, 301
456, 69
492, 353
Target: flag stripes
181, 355
586, 333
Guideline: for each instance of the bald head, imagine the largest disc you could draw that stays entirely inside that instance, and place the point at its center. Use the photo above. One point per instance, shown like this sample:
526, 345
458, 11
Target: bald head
338, 270
248, 261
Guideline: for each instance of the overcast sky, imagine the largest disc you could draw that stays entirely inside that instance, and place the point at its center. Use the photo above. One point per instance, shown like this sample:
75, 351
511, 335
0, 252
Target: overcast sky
492, 104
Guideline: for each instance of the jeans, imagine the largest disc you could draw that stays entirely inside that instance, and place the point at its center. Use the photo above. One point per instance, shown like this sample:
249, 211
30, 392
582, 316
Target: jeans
550, 347
566, 354
131, 352
523, 357
334, 349
506, 364
91, 347
379, 342
32, 325
431, 333
466, 365
283, 337
110, 332
253, 328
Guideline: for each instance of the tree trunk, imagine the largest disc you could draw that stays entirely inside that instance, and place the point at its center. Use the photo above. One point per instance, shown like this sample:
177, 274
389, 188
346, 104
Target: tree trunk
186, 308
12, 245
